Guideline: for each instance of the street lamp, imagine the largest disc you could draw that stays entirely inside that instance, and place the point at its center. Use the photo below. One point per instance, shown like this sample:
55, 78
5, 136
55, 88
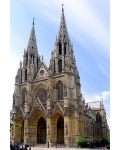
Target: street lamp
29, 134
89, 141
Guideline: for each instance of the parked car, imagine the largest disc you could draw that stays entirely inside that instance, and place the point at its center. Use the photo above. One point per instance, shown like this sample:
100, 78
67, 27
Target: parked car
108, 146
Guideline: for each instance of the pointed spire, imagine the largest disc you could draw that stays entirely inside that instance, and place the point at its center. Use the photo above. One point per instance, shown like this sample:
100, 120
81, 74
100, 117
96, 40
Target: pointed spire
63, 33
32, 44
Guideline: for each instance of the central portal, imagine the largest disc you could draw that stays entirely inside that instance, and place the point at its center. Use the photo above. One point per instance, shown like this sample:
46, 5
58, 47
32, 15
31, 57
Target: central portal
60, 129
41, 130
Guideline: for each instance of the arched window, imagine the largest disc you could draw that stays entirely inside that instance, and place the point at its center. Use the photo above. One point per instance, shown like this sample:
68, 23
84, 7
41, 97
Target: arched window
98, 117
42, 94
37, 62
21, 76
65, 48
60, 91
59, 65
26, 59
25, 74
60, 48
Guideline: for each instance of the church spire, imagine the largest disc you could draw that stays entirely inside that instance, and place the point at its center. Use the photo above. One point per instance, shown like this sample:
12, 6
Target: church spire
32, 44
63, 33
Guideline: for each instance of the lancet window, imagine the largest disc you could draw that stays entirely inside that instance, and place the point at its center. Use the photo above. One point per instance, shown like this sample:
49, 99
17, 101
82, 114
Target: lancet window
60, 91
59, 65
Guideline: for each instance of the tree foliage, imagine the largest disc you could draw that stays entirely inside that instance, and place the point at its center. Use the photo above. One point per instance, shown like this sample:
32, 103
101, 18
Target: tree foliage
13, 125
84, 142
87, 142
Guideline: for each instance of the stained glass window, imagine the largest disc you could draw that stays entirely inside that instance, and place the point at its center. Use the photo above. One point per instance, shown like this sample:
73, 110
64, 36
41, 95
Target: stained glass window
42, 94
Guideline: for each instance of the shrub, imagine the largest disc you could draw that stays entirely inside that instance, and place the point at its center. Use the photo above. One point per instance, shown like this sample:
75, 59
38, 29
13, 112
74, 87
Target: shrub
84, 142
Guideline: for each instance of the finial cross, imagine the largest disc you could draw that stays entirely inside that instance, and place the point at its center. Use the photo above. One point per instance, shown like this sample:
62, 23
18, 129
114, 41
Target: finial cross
62, 6
33, 21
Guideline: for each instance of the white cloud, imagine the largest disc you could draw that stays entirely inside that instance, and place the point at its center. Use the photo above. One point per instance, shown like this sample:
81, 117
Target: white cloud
105, 95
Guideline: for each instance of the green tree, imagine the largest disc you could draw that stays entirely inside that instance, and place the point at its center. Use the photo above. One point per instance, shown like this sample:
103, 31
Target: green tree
12, 126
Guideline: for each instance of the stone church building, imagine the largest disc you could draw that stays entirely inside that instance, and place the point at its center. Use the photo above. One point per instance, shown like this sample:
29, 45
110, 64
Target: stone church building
48, 101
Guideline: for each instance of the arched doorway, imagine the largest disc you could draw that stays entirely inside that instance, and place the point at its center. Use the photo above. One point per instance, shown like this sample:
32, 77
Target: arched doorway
60, 129
22, 132
41, 130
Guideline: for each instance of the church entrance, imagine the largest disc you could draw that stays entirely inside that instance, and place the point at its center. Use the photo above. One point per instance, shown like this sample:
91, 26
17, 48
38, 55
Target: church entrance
22, 132
41, 131
60, 130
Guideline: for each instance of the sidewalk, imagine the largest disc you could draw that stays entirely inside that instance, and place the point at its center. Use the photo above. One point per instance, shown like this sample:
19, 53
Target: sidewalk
53, 148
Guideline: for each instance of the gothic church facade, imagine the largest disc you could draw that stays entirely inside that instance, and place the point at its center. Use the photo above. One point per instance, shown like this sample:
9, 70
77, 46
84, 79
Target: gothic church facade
48, 101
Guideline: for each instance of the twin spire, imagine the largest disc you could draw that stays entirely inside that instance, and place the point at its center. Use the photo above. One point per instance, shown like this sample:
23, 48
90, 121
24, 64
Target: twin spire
32, 44
63, 33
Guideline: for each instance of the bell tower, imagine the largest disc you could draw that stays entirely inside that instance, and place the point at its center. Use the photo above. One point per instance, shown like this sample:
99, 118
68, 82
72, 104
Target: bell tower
62, 58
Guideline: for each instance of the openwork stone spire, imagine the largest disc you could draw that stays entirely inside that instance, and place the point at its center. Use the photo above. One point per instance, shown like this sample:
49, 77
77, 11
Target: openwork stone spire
63, 33
32, 44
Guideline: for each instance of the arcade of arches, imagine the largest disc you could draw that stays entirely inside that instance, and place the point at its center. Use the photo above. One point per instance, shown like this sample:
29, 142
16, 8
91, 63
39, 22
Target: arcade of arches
41, 129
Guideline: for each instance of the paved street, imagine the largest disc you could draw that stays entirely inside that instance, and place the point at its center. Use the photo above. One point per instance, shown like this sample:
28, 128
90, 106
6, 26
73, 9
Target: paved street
37, 148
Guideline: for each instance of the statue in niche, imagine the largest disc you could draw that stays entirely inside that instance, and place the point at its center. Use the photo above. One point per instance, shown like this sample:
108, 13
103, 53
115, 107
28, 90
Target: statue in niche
66, 129
25, 96
14, 98
48, 93
20, 64
48, 130
65, 92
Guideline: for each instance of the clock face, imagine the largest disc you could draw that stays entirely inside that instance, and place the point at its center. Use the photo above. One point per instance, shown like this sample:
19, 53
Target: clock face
41, 72
42, 94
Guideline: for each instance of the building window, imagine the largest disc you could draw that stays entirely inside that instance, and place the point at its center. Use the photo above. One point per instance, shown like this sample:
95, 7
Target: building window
25, 74
26, 59
60, 91
42, 94
37, 62
59, 65
98, 117
60, 48
65, 48
21, 76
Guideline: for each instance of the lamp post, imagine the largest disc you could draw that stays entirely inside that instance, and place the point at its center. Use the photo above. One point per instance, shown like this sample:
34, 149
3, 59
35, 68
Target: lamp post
89, 141
29, 134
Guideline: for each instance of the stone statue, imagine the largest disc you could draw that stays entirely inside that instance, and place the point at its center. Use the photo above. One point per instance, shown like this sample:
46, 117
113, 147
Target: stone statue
48, 93
14, 98
25, 96
48, 130
66, 129
65, 92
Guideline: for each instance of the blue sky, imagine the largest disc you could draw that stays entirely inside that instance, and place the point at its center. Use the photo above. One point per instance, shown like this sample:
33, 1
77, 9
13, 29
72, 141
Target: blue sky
88, 24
